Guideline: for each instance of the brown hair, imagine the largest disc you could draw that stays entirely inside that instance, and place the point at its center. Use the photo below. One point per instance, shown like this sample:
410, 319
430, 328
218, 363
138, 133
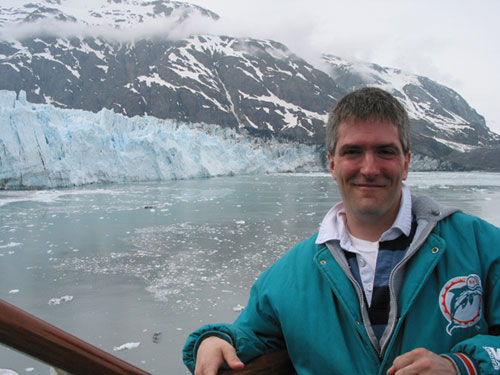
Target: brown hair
364, 104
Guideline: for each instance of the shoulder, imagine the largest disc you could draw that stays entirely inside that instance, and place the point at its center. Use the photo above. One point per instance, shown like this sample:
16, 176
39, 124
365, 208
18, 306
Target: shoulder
424, 207
299, 259
470, 223
301, 251
469, 237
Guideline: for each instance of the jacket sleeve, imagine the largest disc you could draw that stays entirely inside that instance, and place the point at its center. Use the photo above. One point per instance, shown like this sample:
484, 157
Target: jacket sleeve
481, 354
256, 331
477, 355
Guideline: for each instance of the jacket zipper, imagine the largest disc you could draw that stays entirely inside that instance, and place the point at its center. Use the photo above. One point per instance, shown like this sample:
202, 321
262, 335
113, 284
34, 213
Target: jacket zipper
411, 251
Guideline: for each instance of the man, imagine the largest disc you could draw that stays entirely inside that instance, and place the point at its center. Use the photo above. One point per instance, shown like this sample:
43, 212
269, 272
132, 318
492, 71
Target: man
392, 283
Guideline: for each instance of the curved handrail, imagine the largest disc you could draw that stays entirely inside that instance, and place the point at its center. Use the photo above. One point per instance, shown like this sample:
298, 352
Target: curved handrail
276, 363
37, 338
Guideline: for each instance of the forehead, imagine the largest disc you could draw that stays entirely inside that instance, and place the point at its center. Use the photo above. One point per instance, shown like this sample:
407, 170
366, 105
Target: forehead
371, 131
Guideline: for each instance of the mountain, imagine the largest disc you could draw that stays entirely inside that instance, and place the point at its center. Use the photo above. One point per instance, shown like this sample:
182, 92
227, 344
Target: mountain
118, 14
240, 83
444, 126
213, 79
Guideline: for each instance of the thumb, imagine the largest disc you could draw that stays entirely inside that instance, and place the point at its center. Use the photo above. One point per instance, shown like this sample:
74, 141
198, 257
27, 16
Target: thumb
232, 360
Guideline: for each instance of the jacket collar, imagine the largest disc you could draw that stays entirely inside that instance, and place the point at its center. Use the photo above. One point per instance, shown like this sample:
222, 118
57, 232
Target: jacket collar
333, 226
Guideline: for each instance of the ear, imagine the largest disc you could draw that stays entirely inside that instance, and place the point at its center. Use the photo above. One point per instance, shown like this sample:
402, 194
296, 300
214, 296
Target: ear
331, 162
406, 165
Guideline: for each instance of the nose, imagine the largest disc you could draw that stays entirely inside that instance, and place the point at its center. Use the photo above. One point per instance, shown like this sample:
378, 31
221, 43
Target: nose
369, 165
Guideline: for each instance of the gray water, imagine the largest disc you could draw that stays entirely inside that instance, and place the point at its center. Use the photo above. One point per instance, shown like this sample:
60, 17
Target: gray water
115, 264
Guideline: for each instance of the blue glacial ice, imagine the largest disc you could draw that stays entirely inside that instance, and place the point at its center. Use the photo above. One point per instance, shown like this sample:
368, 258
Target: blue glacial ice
43, 146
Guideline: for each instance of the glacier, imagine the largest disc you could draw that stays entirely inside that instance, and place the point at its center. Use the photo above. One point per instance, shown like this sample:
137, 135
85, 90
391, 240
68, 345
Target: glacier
43, 146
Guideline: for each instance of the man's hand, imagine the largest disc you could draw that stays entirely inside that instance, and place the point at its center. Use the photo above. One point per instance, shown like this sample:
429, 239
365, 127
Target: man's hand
212, 353
422, 362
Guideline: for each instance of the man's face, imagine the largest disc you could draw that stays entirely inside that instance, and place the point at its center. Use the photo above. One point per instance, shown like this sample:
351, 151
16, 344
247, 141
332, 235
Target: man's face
369, 166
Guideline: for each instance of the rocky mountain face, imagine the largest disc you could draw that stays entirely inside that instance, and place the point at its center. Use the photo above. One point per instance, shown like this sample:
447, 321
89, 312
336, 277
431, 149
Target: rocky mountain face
232, 82
241, 83
444, 126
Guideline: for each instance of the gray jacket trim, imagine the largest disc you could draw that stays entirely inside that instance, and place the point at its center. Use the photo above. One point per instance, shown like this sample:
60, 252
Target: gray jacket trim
427, 213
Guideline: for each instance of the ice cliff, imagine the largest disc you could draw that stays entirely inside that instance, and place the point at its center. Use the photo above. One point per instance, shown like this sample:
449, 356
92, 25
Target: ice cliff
42, 146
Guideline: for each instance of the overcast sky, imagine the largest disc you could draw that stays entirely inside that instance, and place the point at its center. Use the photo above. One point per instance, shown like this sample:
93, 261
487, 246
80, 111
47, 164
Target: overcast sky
454, 42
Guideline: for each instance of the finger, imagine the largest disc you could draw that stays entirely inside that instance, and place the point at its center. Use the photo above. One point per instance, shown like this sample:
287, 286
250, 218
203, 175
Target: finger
232, 360
405, 360
210, 357
208, 367
421, 361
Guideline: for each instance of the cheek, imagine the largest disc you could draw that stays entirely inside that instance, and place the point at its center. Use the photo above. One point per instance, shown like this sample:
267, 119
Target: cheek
346, 170
396, 170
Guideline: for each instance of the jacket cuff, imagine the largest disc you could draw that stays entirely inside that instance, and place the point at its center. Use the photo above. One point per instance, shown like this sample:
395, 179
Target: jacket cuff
463, 364
195, 338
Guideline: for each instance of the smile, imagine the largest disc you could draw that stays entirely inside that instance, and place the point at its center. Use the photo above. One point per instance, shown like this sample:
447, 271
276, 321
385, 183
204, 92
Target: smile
369, 186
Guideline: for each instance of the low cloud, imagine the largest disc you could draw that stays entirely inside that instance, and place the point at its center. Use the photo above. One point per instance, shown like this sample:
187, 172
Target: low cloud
173, 28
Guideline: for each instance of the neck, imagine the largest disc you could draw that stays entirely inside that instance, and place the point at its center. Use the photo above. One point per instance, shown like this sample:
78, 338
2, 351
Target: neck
368, 227
368, 230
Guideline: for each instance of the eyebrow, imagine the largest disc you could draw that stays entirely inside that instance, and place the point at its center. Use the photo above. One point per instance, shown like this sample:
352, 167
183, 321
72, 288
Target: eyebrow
356, 145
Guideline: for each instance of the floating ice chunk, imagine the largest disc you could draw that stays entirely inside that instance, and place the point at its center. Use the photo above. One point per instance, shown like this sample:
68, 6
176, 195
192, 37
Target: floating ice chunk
58, 301
240, 222
128, 345
10, 244
238, 308
13, 291
7, 372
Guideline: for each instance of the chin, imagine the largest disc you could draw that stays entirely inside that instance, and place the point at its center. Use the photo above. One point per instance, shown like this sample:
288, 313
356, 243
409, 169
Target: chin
373, 212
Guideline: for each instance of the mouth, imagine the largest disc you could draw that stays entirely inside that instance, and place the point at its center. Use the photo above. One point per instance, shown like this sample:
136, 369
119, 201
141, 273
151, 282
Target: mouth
369, 186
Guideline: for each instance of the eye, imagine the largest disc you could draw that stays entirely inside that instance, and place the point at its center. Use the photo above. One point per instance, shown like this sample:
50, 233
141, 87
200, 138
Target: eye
387, 151
350, 151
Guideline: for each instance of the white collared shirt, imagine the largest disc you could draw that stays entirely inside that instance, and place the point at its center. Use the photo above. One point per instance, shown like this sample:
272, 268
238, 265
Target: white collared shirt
333, 228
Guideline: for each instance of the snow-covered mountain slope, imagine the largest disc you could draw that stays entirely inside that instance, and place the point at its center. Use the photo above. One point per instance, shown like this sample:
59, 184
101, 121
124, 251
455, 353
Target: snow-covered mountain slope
121, 14
436, 111
42, 146
138, 58
239, 83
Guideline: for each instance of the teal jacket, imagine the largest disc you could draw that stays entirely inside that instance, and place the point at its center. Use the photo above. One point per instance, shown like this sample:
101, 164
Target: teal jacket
445, 297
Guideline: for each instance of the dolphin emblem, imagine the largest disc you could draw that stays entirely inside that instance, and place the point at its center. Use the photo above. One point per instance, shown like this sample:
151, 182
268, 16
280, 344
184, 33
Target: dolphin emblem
462, 297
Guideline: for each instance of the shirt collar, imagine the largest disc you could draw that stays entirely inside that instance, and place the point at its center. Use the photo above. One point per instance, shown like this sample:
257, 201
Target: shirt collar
333, 225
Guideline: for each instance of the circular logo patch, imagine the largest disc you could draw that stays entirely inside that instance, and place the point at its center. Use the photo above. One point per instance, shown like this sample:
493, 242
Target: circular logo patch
460, 301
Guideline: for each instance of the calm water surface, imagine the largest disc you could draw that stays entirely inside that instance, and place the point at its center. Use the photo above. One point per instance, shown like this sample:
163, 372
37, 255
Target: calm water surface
115, 264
